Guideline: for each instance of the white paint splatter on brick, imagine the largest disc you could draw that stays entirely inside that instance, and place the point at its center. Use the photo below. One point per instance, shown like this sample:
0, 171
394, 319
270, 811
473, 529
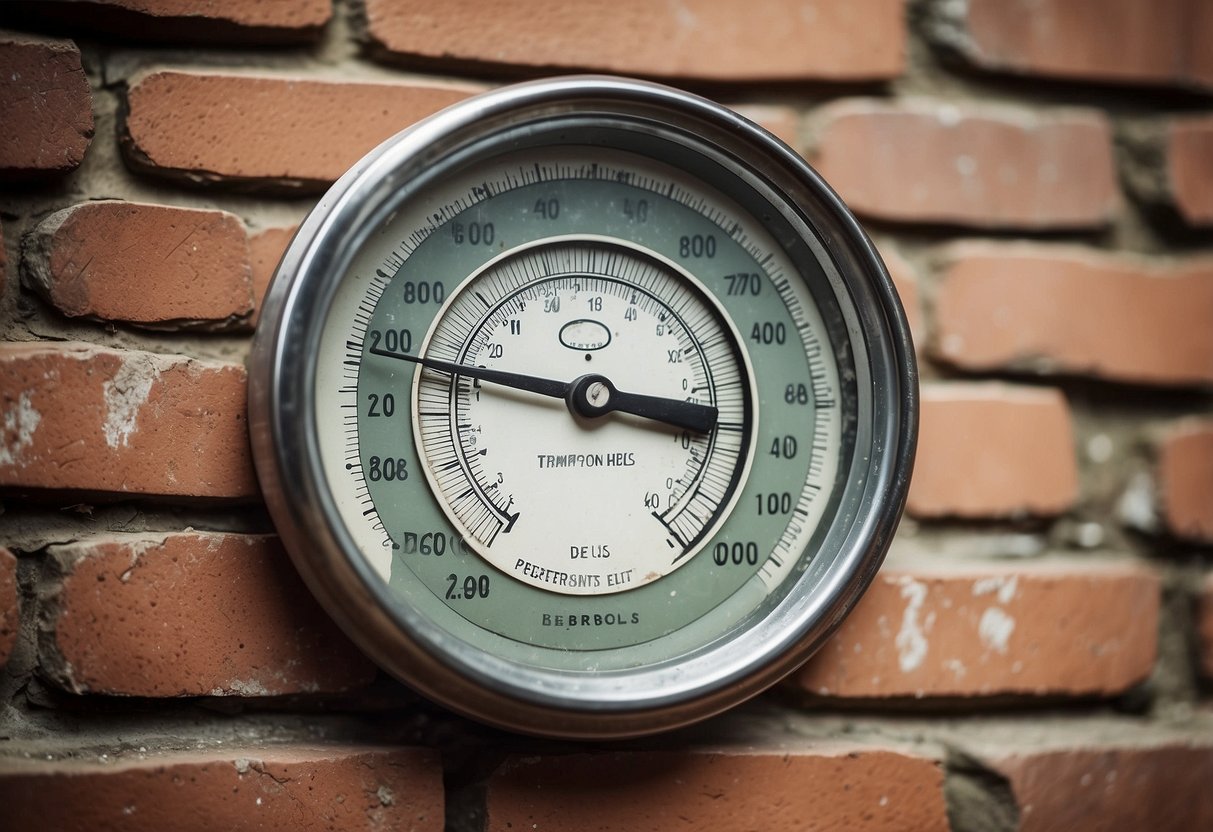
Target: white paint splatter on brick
956, 667
686, 17
953, 344
911, 642
138, 548
1005, 586
995, 629
19, 425
125, 396
249, 687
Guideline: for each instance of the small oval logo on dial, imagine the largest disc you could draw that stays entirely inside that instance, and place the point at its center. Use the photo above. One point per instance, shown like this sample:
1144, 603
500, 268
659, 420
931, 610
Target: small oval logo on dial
584, 334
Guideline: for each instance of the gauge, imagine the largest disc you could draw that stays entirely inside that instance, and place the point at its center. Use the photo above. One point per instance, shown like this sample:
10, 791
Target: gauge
584, 407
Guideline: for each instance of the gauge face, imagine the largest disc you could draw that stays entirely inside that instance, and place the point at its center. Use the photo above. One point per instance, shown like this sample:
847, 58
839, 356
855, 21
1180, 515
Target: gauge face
603, 265
583, 413
507, 465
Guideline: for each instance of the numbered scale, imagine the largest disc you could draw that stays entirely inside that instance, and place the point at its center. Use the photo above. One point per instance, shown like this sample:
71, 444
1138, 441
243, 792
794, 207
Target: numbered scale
584, 407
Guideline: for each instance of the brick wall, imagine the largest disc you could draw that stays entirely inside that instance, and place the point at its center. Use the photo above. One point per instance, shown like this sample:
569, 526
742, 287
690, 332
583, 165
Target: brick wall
1037, 652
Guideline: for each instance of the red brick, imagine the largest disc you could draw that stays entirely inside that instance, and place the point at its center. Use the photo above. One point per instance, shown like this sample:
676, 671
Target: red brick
266, 249
709, 39
1127, 41
993, 450
81, 417
1108, 774
149, 265
1129, 789
191, 614
1185, 479
1196, 43
1189, 168
928, 161
1060, 309
46, 106
252, 788
1204, 626
936, 628
10, 605
188, 21
267, 131
832, 785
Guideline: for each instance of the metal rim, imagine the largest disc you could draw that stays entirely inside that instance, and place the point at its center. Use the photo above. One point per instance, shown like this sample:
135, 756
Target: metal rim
522, 698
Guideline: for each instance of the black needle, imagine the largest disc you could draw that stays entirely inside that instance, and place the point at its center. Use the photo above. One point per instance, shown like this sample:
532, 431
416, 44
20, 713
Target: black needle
590, 395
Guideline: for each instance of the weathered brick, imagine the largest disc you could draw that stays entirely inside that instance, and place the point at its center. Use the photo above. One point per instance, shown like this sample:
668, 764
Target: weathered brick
1064, 309
993, 450
931, 161
266, 131
1114, 774
1189, 168
1185, 480
330, 787
826, 786
709, 39
10, 605
266, 249
188, 21
1195, 43
190, 614
87, 418
46, 106
1125, 41
149, 265
1114, 789
935, 628
1204, 626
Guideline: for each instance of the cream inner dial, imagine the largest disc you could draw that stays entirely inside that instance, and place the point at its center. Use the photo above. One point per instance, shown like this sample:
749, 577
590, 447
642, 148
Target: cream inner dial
578, 504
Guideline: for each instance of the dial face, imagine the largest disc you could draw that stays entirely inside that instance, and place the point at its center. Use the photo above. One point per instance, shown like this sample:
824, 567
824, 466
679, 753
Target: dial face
513, 511
584, 406
505, 463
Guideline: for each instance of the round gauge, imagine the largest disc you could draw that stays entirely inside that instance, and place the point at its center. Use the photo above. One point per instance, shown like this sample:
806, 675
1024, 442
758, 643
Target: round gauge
585, 407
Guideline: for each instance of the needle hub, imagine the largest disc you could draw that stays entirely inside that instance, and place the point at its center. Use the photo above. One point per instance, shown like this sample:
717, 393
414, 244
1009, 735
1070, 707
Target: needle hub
590, 396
